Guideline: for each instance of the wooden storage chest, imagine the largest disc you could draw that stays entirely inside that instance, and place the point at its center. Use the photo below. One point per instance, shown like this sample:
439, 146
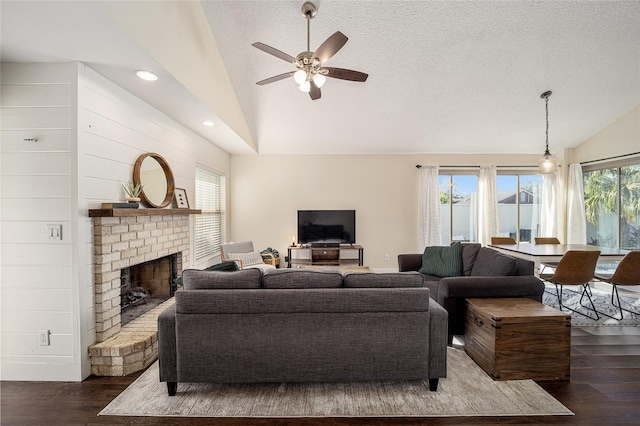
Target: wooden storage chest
518, 338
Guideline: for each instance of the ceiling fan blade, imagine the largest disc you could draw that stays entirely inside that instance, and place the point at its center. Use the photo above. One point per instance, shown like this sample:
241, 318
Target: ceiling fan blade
275, 52
275, 78
314, 93
344, 74
330, 47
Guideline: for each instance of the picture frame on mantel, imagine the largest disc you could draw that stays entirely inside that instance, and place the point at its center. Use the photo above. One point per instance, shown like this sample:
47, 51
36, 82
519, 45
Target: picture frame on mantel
181, 200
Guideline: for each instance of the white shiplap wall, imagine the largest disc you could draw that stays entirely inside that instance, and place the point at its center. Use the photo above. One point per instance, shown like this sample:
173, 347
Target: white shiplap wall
107, 128
37, 274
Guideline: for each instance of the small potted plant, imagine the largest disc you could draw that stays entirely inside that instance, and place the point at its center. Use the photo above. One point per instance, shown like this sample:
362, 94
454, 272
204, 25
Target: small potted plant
133, 191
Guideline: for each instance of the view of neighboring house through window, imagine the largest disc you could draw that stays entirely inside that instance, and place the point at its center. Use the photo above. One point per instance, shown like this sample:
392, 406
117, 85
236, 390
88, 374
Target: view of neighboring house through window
459, 208
519, 206
209, 225
612, 206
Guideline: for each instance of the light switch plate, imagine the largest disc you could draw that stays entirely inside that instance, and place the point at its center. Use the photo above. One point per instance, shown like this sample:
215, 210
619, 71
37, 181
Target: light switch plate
54, 232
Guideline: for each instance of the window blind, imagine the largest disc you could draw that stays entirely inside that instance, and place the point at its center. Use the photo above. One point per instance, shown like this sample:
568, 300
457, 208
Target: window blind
209, 225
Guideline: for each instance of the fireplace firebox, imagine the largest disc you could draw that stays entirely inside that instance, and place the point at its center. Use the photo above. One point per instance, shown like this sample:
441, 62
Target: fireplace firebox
146, 285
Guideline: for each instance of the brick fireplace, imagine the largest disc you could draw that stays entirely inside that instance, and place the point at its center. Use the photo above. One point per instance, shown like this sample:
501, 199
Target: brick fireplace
121, 240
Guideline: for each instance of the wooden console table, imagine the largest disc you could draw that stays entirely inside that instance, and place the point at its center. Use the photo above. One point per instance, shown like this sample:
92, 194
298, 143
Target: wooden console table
324, 255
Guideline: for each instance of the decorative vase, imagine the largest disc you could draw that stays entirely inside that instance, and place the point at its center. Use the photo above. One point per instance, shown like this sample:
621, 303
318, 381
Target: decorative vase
133, 199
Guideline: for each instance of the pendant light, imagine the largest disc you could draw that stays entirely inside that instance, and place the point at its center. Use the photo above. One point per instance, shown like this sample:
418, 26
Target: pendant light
548, 163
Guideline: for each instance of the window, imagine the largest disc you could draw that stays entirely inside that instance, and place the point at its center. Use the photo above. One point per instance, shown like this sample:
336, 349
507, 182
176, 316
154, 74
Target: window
458, 208
210, 198
612, 205
519, 206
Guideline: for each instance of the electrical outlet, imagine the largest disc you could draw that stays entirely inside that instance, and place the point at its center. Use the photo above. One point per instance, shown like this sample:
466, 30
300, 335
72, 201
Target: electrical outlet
386, 257
44, 337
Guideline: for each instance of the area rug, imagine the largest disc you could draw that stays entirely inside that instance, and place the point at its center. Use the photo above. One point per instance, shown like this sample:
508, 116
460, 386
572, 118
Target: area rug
602, 301
467, 391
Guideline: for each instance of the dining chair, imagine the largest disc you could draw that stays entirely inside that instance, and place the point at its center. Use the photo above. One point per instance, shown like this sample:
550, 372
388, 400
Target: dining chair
503, 240
627, 273
546, 240
576, 267
244, 255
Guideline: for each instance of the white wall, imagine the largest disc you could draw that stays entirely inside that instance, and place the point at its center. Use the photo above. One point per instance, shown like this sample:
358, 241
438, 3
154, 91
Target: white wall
36, 277
618, 138
267, 191
49, 285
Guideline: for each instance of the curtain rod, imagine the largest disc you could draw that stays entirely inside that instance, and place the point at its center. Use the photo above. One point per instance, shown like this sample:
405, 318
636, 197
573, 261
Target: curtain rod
633, 154
419, 166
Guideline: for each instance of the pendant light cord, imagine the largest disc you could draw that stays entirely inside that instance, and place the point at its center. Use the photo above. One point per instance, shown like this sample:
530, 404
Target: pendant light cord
546, 101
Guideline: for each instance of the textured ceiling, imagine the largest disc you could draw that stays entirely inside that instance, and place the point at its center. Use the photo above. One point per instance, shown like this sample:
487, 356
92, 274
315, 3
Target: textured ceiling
444, 76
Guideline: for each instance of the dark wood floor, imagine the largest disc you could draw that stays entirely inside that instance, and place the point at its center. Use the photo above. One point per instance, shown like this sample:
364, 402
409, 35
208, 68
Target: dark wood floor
604, 389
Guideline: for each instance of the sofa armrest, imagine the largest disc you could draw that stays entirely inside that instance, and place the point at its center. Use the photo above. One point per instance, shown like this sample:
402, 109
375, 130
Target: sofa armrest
438, 341
409, 262
167, 345
511, 286
453, 291
524, 267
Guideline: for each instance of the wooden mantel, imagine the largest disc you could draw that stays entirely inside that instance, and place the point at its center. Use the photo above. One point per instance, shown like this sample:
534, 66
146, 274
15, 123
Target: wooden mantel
140, 212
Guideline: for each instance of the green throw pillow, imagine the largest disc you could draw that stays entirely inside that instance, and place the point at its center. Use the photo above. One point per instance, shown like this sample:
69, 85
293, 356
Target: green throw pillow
442, 261
226, 266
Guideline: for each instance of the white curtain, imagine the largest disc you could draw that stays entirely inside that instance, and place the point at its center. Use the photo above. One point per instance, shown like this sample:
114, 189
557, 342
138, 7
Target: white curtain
487, 204
576, 217
429, 229
549, 207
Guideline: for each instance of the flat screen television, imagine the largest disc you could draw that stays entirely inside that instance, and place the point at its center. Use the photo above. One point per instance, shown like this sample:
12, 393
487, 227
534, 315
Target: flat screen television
326, 227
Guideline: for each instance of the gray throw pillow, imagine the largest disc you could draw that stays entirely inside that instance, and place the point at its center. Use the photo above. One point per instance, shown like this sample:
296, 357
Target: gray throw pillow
469, 254
442, 261
490, 263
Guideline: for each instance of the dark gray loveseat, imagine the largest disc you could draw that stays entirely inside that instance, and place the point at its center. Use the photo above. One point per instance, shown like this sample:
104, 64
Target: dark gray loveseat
485, 273
301, 325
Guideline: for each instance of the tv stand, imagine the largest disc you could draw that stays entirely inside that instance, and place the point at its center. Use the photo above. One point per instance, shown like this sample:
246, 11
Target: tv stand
336, 254
324, 245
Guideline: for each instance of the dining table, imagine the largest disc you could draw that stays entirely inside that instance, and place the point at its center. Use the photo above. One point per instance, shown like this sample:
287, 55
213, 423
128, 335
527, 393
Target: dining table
552, 253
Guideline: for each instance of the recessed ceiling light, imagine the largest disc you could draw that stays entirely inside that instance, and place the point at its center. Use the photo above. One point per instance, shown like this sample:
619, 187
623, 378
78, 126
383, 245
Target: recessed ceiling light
209, 123
146, 75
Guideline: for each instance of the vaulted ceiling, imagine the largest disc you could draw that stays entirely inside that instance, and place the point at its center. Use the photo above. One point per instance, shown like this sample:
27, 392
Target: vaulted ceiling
444, 76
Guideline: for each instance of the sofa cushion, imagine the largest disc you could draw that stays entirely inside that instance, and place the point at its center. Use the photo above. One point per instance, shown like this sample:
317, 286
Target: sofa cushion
194, 279
301, 278
492, 263
469, 254
248, 258
385, 280
442, 261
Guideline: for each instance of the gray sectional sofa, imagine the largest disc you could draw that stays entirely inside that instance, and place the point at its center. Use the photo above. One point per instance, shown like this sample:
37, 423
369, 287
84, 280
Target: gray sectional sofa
483, 273
296, 325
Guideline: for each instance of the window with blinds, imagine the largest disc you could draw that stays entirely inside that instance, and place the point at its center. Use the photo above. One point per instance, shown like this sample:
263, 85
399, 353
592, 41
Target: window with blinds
210, 199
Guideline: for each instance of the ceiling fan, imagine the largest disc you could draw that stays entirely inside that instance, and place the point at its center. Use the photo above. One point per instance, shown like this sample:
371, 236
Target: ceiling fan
311, 74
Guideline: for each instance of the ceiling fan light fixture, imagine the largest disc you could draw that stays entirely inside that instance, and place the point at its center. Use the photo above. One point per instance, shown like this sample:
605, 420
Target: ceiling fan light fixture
305, 86
300, 76
310, 73
319, 79
548, 163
